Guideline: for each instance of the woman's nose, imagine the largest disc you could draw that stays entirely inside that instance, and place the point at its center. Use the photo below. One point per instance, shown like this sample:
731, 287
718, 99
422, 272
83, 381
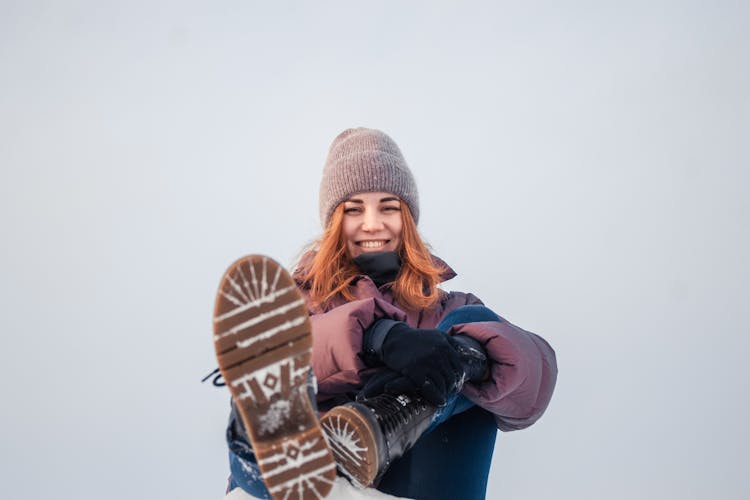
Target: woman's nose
372, 222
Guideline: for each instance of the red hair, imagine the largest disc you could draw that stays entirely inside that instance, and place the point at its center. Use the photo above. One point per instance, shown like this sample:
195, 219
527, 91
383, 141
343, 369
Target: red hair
331, 270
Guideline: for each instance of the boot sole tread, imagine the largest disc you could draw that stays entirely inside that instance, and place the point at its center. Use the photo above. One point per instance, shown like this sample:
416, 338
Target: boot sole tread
353, 444
263, 343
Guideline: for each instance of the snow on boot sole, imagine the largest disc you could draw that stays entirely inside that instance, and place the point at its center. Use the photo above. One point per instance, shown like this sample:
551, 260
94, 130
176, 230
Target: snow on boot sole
354, 444
263, 346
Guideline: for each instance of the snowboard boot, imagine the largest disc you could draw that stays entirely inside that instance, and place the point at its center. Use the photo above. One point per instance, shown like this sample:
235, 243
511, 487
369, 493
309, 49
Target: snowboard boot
263, 346
473, 359
367, 436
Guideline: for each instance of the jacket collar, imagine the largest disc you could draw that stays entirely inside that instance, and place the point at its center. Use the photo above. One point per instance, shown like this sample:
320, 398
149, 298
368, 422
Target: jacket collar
448, 273
306, 260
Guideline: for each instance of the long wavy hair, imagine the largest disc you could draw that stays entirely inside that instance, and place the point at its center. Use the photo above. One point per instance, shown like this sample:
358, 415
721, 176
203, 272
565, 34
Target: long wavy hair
331, 270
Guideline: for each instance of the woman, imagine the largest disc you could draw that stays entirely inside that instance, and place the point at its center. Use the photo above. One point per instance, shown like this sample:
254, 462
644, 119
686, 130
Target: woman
412, 381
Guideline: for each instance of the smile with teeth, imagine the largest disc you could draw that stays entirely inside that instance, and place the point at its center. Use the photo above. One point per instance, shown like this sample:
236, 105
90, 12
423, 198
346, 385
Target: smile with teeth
372, 243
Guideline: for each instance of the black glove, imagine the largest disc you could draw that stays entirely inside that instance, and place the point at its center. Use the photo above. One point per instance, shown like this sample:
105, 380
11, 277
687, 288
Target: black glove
424, 356
386, 380
473, 360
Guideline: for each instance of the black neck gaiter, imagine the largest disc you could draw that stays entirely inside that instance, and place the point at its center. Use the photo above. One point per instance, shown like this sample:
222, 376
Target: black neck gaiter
381, 267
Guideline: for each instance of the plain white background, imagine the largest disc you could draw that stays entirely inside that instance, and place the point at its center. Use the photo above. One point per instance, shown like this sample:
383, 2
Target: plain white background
583, 167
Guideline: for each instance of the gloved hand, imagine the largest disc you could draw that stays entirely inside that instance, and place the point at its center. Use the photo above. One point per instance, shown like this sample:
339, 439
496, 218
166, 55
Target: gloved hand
389, 381
473, 360
426, 358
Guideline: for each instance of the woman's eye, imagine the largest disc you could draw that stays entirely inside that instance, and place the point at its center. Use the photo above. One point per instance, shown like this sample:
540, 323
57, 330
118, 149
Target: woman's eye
351, 210
392, 209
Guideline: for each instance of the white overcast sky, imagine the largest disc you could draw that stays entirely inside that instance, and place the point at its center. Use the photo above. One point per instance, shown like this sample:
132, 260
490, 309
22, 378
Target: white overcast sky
582, 165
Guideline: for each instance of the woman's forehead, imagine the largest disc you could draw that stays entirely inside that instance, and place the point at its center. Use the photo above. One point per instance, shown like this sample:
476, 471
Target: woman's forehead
378, 196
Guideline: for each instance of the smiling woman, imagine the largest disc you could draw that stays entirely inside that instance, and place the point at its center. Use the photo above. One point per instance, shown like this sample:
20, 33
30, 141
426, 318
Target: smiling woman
412, 381
372, 223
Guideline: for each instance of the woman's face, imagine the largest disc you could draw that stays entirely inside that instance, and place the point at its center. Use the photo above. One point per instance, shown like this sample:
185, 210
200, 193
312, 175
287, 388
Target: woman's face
372, 223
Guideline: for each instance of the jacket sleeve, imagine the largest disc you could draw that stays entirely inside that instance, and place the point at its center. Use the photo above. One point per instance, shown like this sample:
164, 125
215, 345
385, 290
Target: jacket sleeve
523, 372
337, 341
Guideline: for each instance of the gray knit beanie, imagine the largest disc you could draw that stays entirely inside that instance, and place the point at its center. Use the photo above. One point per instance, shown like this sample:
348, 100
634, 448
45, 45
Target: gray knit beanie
363, 160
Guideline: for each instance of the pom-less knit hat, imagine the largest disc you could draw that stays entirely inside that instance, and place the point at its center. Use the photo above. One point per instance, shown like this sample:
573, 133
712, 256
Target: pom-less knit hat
363, 160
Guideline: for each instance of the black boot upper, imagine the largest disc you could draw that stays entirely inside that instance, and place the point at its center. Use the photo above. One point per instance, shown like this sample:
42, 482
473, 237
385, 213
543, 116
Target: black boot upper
397, 421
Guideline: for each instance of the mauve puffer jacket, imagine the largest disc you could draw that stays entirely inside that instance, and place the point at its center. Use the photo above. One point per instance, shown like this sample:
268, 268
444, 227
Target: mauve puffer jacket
523, 365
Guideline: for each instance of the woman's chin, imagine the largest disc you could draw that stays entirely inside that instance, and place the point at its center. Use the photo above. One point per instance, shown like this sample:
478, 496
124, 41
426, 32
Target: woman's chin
357, 250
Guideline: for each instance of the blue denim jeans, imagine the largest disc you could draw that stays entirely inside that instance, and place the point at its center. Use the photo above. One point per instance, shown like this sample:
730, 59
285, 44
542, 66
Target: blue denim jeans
451, 460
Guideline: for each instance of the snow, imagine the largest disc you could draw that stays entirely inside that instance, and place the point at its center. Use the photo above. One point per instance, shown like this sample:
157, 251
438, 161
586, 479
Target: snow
277, 414
342, 490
